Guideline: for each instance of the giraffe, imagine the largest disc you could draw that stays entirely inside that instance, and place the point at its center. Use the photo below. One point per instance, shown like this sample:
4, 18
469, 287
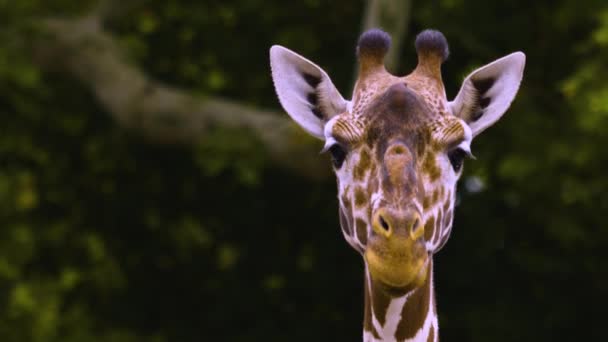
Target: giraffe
397, 149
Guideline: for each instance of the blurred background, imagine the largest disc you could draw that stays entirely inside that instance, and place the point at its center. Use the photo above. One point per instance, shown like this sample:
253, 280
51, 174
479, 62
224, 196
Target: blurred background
152, 189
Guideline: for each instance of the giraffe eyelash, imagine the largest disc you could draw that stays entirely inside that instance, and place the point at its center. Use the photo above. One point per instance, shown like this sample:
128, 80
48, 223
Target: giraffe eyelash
465, 146
329, 142
456, 156
337, 151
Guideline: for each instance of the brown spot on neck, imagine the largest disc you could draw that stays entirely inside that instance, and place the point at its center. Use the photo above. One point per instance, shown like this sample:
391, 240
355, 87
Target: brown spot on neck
380, 301
416, 309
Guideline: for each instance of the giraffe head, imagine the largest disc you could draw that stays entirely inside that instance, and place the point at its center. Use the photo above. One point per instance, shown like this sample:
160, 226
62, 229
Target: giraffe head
397, 147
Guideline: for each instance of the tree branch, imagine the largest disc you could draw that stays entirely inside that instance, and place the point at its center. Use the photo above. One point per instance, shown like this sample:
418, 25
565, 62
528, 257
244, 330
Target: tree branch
158, 111
166, 114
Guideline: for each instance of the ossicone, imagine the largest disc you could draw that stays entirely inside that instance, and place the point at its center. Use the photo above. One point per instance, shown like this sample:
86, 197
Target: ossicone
432, 44
372, 47
432, 50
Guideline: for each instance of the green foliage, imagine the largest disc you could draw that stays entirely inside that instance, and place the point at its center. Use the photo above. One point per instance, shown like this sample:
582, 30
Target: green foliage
223, 150
107, 237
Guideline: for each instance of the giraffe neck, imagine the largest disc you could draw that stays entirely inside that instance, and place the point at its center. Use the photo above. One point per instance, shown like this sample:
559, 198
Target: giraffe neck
411, 317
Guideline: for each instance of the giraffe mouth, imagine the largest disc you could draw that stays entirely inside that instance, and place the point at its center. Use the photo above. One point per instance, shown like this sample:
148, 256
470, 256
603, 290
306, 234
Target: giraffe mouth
399, 269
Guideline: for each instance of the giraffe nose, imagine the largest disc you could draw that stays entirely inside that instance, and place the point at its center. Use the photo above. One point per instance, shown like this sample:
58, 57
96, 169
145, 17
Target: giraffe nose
388, 222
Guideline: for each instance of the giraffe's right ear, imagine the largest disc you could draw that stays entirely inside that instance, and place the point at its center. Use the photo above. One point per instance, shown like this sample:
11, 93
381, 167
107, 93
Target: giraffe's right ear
305, 91
488, 92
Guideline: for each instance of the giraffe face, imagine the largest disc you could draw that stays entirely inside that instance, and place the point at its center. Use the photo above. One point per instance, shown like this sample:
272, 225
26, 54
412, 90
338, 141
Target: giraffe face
397, 147
396, 179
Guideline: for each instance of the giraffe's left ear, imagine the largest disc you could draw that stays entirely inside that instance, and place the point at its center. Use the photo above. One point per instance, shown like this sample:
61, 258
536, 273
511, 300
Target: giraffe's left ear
305, 91
488, 92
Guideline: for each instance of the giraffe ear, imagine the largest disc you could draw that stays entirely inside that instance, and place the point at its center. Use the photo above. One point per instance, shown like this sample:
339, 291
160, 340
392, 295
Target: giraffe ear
305, 91
487, 92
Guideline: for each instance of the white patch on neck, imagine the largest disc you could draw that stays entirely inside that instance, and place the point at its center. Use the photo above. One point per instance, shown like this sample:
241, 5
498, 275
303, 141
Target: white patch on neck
367, 336
393, 317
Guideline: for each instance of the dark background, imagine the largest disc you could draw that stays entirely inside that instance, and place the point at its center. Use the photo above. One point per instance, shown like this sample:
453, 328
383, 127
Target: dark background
108, 235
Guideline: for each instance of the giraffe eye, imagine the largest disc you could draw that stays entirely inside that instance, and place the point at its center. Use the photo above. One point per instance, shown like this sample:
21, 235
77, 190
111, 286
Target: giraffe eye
338, 154
456, 157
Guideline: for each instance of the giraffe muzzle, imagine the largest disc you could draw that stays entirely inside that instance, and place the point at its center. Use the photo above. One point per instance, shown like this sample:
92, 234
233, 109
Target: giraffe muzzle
399, 263
396, 255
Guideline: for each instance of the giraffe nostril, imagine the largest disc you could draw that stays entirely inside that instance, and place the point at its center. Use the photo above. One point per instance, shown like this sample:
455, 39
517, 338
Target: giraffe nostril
416, 230
384, 224
416, 225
